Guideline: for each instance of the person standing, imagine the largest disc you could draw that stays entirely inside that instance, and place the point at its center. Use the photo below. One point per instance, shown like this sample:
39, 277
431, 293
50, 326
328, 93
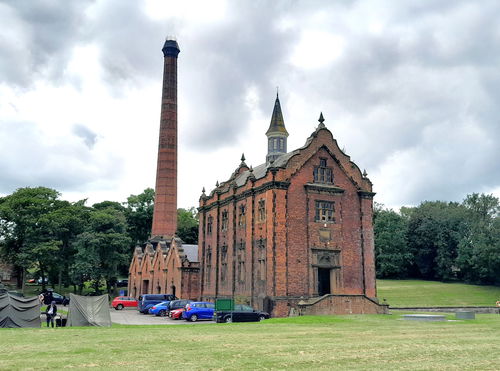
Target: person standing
51, 312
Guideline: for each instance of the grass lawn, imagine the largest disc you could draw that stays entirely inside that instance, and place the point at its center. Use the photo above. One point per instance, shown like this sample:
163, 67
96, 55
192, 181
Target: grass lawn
413, 293
324, 342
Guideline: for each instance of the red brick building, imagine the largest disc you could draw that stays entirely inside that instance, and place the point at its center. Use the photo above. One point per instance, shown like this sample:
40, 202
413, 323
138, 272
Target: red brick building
294, 234
162, 267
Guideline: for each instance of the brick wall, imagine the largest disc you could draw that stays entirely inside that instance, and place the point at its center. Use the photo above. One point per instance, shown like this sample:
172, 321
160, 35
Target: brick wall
292, 237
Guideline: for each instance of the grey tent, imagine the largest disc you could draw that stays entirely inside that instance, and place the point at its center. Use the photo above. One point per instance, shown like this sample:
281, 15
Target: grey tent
16, 311
88, 311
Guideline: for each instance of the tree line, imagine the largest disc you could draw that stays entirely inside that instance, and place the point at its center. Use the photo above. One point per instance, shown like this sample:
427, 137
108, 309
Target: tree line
440, 240
71, 243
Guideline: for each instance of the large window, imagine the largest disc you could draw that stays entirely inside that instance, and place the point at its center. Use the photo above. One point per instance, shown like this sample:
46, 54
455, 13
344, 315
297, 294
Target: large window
323, 173
325, 211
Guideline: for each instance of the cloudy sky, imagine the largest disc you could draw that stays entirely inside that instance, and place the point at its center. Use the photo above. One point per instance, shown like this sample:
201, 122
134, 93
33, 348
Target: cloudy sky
410, 89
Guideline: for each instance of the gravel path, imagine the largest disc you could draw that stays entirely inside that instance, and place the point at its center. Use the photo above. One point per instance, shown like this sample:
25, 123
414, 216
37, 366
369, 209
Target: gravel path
133, 317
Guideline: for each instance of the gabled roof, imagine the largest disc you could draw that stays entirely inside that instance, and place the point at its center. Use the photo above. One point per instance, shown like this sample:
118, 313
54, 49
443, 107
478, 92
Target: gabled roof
242, 175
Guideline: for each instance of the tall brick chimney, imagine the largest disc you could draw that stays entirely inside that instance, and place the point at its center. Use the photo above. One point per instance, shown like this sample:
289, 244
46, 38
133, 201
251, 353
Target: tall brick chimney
165, 208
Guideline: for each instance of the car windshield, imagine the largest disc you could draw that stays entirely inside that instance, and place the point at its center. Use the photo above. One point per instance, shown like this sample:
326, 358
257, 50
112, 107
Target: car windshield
163, 303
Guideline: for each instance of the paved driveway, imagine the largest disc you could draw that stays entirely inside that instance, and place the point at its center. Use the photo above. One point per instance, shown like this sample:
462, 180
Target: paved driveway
133, 317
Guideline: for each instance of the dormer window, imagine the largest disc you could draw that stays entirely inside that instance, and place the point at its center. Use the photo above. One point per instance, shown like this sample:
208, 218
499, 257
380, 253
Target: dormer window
323, 173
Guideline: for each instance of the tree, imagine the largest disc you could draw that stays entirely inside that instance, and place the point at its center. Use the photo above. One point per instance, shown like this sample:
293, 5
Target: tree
65, 222
392, 255
434, 232
139, 214
187, 225
102, 248
479, 251
26, 239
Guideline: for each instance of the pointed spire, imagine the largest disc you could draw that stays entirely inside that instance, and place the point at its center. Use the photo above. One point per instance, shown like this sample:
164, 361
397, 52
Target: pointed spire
203, 190
251, 169
242, 157
321, 120
217, 184
365, 174
277, 124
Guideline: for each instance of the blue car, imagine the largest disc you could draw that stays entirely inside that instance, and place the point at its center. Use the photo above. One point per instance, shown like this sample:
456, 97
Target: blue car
198, 310
160, 309
148, 300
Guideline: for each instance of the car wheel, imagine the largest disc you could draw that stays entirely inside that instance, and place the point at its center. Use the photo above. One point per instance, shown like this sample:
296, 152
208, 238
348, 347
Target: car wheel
228, 319
262, 318
194, 318
119, 307
162, 313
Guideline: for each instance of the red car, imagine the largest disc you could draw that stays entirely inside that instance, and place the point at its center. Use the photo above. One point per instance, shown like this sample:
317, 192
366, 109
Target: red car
121, 302
176, 313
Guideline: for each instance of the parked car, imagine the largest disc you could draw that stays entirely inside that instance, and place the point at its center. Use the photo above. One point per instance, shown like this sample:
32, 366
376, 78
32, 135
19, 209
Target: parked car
60, 299
121, 302
148, 300
176, 313
122, 283
177, 304
241, 313
198, 310
160, 309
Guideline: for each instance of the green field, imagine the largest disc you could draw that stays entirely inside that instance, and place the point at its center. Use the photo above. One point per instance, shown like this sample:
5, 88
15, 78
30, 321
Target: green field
325, 342
416, 293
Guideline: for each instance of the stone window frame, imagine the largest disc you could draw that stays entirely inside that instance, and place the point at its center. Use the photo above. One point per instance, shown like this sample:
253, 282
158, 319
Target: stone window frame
210, 222
242, 218
261, 210
208, 265
261, 259
325, 211
241, 262
323, 173
224, 220
223, 262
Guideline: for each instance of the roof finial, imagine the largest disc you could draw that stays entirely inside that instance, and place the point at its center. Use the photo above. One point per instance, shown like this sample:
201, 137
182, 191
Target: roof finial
365, 174
242, 157
277, 91
321, 120
217, 184
203, 190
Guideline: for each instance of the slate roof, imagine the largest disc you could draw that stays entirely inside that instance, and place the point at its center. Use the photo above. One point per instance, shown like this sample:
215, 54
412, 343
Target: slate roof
191, 252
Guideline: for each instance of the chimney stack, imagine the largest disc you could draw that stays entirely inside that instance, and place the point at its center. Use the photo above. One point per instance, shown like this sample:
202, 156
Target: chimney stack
165, 207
